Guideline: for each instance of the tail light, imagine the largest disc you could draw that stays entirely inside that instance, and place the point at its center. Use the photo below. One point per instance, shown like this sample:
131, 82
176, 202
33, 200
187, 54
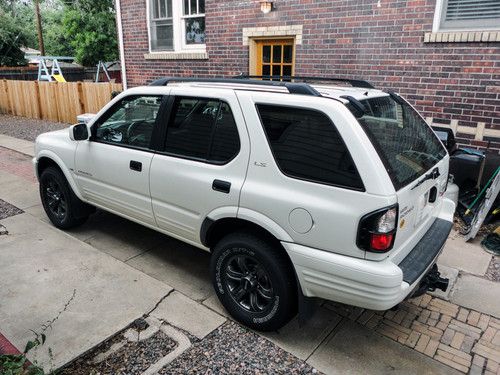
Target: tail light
377, 230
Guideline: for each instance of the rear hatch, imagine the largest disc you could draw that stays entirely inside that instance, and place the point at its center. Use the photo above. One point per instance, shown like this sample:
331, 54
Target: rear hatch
415, 160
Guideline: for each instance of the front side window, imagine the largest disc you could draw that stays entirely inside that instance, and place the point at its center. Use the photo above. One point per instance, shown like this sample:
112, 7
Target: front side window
176, 25
405, 143
306, 145
469, 14
129, 123
202, 129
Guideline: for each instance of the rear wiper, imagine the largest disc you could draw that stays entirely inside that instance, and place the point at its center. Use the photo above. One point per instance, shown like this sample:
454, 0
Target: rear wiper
429, 176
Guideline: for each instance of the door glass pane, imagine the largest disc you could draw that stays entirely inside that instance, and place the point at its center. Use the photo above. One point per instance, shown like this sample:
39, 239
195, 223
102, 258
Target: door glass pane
131, 122
195, 30
186, 7
306, 145
276, 71
226, 142
266, 54
266, 70
287, 54
169, 8
287, 70
190, 132
201, 6
276, 54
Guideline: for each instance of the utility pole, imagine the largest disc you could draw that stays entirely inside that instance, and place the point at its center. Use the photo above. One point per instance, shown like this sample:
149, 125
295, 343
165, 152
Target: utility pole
38, 20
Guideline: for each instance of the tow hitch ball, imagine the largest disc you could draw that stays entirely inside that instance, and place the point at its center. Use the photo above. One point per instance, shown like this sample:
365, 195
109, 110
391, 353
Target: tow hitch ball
431, 282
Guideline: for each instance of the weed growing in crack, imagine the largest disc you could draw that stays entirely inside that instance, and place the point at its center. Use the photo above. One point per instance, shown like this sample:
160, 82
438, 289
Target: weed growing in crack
18, 364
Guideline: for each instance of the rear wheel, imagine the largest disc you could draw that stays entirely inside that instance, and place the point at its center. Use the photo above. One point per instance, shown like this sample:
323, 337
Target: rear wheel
254, 281
61, 205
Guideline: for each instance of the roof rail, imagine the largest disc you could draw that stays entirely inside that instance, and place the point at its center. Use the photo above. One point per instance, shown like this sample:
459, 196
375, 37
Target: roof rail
293, 87
352, 82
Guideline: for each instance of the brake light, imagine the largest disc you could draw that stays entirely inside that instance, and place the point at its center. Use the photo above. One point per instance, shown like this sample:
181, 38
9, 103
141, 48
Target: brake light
377, 230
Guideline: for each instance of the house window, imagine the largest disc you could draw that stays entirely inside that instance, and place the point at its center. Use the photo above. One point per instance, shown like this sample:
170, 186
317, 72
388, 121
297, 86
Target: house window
176, 25
467, 15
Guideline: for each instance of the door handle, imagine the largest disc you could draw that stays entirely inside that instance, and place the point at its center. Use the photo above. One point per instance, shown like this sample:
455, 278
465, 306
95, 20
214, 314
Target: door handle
136, 165
222, 186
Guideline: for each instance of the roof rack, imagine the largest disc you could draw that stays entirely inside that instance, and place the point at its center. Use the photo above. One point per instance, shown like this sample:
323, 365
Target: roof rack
353, 82
292, 87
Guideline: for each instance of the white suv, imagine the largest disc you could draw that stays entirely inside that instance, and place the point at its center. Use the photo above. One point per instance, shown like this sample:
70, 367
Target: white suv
297, 190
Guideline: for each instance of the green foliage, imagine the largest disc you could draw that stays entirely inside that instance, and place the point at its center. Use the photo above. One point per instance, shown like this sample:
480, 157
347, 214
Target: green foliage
17, 364
12, 39
85, 29
92, 28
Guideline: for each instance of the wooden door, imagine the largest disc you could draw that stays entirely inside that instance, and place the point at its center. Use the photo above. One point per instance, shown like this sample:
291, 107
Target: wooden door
275, 58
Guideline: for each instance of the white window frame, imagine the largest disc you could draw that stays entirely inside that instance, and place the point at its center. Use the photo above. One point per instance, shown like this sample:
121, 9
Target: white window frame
438, 15
179, 29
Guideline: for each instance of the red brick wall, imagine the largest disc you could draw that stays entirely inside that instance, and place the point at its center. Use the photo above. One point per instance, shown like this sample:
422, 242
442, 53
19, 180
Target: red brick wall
343, 38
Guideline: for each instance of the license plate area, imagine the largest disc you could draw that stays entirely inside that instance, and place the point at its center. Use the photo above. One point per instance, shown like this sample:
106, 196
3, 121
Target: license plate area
425, 206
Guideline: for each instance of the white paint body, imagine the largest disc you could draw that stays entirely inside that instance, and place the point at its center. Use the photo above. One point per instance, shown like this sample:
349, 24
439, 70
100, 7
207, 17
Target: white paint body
317, 224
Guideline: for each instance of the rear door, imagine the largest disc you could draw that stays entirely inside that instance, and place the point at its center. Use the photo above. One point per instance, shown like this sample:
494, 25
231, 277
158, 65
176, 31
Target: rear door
415, 160
202, 164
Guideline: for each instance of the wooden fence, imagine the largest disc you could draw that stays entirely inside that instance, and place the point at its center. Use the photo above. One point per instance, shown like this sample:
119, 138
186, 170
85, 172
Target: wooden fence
55, 101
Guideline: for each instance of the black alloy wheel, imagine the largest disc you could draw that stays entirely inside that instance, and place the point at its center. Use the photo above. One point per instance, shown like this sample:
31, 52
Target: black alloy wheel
249, 283
55, 199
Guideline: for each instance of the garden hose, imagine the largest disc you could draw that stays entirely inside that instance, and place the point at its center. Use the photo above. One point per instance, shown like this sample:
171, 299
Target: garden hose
468, 211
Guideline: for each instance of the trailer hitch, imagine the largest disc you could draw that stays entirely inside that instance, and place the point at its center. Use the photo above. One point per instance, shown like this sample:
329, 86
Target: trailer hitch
431, 282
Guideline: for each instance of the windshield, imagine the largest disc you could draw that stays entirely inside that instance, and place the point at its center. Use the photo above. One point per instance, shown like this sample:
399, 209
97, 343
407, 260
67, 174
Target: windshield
406, 144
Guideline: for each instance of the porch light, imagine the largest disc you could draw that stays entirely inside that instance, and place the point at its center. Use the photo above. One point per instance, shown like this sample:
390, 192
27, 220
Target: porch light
266, 6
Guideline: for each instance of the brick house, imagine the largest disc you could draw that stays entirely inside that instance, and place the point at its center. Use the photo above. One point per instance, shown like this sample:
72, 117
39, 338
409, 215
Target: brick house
443, 55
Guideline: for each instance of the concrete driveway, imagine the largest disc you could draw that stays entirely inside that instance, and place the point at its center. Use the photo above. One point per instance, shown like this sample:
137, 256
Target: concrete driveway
121, 271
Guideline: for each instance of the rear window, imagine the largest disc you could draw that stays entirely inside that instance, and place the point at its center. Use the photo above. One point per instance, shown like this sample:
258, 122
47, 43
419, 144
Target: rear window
307, 146
406, 144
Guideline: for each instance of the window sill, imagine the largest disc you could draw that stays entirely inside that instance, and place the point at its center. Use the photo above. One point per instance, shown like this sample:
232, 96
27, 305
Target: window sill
170, 55
462, 37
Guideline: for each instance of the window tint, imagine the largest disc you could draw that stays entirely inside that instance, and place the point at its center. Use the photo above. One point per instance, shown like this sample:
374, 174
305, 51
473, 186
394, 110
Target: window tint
306, 145
130, 122
202, 129
407, 146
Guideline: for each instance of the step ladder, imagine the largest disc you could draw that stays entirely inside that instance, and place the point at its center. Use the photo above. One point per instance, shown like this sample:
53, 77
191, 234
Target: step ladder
55, 70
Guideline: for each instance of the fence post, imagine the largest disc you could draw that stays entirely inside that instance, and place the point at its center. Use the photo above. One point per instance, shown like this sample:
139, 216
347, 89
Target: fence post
10, 110
81, 101
38, 102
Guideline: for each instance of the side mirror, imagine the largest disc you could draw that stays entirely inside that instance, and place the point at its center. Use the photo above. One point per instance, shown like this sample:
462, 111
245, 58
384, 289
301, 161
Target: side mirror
78, 132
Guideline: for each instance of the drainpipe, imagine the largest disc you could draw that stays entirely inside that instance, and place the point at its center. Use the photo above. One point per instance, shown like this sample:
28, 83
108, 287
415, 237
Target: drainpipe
120, 42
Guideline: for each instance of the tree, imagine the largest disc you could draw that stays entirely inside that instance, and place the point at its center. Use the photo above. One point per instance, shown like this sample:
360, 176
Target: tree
12, 39
90, 26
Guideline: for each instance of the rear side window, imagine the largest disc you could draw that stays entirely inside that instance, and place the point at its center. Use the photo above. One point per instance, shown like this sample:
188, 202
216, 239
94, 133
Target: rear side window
202, 129
306, 145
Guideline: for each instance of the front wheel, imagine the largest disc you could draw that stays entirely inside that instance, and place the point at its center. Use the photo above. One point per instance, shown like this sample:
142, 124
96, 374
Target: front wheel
61, 205
254, 281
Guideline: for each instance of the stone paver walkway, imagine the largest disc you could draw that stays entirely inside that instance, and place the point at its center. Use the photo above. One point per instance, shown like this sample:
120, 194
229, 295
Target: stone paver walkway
458, 337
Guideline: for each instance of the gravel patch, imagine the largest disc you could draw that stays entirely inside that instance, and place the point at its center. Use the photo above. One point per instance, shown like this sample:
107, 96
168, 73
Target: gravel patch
133, 358
7, 210
232, 349
493, 272
27, 128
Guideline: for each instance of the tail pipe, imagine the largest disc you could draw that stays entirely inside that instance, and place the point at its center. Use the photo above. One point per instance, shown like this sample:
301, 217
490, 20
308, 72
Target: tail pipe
431, 282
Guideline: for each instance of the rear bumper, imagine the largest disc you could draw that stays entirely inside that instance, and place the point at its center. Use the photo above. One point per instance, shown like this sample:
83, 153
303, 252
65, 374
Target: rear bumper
377, 285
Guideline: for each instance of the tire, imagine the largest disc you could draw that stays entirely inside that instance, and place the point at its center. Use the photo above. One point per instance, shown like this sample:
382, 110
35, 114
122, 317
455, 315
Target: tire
254, 281
60, 203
